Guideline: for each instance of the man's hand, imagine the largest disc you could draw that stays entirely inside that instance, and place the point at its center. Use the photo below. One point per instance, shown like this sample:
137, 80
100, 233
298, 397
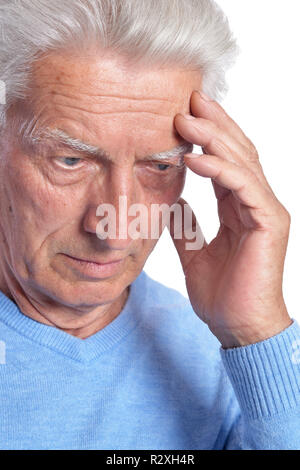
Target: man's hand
235, 282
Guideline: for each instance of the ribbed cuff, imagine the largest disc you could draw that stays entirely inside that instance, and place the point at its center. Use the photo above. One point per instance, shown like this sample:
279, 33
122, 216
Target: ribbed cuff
266, 375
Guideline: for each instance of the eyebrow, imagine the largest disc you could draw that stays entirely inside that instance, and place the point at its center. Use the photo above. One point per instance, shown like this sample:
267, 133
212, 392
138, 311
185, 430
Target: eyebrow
61, 137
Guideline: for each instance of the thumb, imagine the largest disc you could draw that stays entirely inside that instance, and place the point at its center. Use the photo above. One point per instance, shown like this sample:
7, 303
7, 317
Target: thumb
186, 233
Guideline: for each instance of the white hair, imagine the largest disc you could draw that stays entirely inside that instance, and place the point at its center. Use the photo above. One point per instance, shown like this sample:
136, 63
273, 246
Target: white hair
191, 33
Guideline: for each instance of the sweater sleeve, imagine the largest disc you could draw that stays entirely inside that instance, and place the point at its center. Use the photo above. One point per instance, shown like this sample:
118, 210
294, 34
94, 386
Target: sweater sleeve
266, 381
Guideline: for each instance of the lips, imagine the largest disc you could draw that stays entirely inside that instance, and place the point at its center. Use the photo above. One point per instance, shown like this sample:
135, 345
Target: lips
90, 269
101, 263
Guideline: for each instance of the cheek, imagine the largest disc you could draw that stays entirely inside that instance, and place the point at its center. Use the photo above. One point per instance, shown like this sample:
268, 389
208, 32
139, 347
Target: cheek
37, 209
37, 203
37, 196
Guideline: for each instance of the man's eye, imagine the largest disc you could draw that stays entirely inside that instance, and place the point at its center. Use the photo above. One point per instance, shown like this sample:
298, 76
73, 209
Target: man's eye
163, 167
70, 162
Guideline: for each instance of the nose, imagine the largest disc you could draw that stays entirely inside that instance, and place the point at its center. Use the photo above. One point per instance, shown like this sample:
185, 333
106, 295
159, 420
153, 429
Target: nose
107, 212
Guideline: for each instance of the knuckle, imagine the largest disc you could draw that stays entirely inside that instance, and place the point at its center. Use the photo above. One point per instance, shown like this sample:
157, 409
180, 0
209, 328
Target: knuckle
286, 216
252, 153
252, 147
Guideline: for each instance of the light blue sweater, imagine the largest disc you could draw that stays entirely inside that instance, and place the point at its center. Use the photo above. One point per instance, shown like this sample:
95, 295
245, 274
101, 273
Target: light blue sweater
155, 378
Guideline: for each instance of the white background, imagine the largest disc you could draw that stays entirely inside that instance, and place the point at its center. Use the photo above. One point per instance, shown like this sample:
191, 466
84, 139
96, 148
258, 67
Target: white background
264, 99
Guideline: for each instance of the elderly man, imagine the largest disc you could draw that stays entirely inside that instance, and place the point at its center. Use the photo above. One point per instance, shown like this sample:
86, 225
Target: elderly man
105, 99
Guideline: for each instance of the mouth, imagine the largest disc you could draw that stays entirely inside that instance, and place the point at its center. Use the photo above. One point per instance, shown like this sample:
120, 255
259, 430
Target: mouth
100, 263
95, 269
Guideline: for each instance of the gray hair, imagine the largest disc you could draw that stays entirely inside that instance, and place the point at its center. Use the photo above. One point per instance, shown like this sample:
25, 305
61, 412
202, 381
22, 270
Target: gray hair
191, 33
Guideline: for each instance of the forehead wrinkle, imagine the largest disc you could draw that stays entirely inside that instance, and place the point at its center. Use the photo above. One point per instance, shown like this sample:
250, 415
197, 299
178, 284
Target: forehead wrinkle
76, 144
105, 95
126, 111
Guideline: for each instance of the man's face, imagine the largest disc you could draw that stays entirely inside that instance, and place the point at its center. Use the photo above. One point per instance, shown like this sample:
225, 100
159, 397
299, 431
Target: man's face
49, 201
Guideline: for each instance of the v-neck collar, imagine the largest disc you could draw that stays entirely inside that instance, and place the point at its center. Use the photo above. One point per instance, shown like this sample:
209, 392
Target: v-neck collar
82, 350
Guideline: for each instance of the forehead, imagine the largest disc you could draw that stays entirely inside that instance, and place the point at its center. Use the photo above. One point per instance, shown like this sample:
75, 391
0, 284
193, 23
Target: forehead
112, 75
103, 95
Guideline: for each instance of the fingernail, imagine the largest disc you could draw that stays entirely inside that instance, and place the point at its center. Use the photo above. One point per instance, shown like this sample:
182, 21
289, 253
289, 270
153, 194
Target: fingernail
204, 96
189, 117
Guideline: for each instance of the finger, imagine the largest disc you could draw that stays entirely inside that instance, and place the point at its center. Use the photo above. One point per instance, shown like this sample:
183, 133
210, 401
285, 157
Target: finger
208, 136
186, 234
214, 141
203, 106
220, 192
243, 183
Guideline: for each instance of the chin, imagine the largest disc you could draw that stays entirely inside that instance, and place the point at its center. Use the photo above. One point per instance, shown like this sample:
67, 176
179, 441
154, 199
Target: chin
52, 288
92, 294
